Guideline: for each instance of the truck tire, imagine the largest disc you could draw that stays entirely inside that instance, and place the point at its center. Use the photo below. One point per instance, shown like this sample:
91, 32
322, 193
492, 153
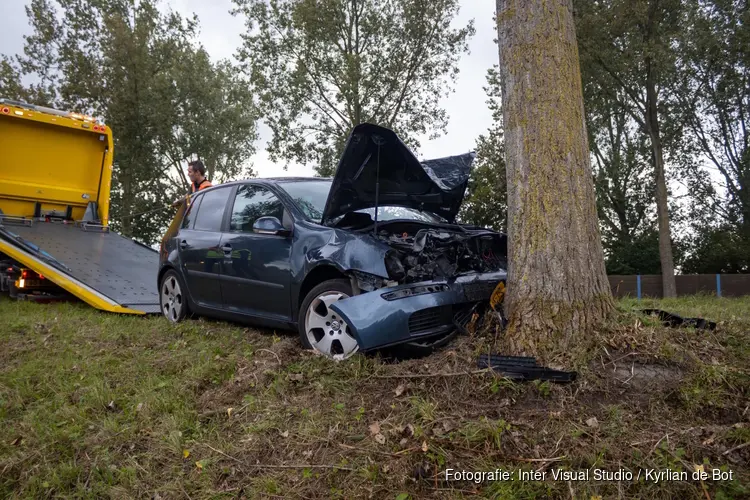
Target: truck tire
173, 297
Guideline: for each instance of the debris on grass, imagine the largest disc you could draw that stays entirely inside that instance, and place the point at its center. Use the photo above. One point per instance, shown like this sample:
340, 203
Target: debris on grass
523, 368
677, 321
662, 399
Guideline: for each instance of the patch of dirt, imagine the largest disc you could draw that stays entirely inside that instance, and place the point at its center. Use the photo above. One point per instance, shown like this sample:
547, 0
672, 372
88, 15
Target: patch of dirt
648, 374
249, 373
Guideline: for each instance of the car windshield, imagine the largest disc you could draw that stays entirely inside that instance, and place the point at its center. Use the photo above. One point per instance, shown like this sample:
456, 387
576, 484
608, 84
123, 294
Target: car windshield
311, 197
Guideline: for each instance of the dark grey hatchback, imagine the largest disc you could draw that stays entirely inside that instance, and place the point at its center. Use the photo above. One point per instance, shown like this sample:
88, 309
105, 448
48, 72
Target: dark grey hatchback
369, 259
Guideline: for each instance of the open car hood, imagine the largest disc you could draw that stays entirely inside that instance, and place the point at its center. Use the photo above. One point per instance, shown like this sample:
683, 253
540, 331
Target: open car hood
436, 186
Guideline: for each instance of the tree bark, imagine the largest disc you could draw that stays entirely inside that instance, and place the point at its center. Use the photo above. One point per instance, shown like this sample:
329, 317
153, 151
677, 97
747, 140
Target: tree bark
558, 291
669, 286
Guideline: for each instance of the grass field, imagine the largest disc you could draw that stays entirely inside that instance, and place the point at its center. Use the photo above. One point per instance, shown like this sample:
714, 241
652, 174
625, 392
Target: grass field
95, 405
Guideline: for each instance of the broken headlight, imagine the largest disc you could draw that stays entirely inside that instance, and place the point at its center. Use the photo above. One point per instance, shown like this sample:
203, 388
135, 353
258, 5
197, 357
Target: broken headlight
368, 282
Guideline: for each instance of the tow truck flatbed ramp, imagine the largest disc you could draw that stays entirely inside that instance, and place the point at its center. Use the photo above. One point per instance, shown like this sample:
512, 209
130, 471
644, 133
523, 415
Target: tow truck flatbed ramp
106, 270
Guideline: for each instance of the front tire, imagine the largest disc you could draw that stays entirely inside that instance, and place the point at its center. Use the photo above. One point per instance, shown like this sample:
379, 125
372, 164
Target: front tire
320, 328
173, 297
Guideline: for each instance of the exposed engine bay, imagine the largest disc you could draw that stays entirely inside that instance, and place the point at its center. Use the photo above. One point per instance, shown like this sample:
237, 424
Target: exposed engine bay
423, 253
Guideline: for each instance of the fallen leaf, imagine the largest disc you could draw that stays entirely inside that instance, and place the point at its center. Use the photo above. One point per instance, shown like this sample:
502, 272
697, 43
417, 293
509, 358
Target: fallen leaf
375, 428
185, 453
709, 441
400, 390
403, 442
385, 468
16, 441
229, 412
448, 426
285, 434
698, 468
471, 327
424, 446
592, 422
379, 438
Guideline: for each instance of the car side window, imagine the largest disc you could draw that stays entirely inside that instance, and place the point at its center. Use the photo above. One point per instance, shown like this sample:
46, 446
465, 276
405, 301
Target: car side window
211, 210
192, 209
251, 203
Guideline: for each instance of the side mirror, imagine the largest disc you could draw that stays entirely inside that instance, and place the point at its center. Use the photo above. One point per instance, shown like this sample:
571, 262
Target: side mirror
269, 225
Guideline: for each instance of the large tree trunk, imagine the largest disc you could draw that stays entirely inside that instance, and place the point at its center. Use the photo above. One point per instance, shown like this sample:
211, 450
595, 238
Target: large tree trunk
669, 287
558, 290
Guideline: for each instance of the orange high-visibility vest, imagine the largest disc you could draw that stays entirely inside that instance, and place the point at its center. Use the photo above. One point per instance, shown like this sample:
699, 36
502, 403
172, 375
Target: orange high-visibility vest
203, 185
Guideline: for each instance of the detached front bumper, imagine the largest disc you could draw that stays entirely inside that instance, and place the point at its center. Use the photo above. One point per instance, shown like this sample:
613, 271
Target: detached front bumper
405, 313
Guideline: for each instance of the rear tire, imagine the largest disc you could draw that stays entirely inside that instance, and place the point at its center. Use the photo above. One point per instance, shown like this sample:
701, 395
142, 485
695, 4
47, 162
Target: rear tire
173, 297
320, 328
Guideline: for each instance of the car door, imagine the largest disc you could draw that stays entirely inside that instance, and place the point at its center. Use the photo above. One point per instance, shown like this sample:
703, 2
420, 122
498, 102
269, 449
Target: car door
256, 273
198, 244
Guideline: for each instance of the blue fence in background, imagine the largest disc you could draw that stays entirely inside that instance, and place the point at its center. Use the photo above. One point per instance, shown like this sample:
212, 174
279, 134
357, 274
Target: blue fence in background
649, 285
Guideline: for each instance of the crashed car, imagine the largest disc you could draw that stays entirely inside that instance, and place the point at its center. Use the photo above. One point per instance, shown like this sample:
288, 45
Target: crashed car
369, 259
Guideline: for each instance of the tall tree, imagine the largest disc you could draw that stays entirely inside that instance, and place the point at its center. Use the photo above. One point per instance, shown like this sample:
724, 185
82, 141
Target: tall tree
624, 186
627, 47
320, 67
10, 80
715, 98
143, 72
486, 201
557, 286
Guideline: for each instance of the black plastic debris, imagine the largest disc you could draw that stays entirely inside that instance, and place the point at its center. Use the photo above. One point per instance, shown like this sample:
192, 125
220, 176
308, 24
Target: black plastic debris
523, 368
676, 321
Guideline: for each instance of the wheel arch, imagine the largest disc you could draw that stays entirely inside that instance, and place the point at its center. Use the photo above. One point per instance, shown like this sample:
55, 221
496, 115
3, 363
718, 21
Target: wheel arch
316, 276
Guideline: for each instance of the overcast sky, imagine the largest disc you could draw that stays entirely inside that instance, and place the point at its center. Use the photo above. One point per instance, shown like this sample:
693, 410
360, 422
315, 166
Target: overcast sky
220, 35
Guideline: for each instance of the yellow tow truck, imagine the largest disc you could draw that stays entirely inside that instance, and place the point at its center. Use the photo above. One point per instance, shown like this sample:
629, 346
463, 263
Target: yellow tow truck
55, 240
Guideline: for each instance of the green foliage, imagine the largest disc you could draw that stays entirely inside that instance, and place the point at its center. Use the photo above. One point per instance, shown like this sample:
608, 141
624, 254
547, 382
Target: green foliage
715, 98
144, 74
718, 250
637, 255
486, 198
320, 67
629, 79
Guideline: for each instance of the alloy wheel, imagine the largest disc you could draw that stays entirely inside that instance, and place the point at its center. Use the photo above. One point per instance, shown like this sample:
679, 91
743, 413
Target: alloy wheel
171, 299
326, 331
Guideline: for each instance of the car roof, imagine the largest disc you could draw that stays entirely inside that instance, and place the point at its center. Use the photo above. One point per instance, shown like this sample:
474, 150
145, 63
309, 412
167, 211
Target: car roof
269, 181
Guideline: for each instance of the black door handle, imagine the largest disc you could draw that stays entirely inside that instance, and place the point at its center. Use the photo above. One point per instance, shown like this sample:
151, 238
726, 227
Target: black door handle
227, 248
183, 245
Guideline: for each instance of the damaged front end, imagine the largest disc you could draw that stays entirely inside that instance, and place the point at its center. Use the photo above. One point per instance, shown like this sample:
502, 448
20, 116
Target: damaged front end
436, 274
411, 312
434, 267
420, 253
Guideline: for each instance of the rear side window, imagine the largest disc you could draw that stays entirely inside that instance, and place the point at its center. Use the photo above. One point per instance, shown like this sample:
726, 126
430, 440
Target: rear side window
251, 203
211, 210
192, 209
